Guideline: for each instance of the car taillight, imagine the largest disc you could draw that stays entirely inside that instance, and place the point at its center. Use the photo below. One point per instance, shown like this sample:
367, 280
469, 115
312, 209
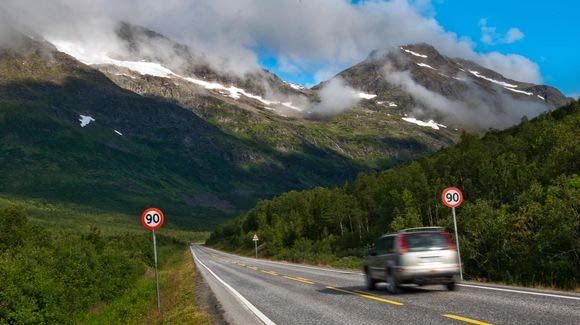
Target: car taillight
450, 243
403, 247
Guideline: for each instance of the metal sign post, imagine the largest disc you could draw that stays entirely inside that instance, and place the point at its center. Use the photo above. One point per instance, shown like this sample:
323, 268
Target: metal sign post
457, 243
156, 273
453, 197
152, 219
255, 239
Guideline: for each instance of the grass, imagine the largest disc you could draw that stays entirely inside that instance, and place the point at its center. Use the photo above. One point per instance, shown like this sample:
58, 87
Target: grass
138, 305
67, 216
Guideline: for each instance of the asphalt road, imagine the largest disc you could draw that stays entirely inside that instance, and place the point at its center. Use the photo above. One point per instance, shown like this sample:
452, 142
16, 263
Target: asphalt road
254, 291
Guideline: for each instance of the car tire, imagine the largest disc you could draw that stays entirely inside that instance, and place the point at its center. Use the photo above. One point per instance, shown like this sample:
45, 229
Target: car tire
392, 283
371, 283
451, 286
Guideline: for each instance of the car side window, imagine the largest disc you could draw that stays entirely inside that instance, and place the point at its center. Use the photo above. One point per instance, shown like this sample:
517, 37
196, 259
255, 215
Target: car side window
380, 246
390, 244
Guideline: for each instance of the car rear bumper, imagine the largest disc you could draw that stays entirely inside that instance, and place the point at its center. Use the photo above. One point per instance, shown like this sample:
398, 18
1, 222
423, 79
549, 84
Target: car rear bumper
428, 275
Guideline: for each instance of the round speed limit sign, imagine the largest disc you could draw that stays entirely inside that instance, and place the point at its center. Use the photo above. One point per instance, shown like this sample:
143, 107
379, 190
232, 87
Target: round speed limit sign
452, 197
152, 218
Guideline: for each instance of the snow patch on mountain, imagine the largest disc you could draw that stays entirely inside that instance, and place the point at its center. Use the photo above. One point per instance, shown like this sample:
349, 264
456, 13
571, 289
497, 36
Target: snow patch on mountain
289, 105
414, 53
501, 83
519, 91
295, 86
432, 124
91, 58
540, 97
424, 65
85, 120
390, 104
157, 70
232, 91
366, 96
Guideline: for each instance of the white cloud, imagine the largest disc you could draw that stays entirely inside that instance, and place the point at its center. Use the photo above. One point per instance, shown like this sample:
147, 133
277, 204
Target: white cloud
482, 111
513, 35
490, 36
321, 37
335, 97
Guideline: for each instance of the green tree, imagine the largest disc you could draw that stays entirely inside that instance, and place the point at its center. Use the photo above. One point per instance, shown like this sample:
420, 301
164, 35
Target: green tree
410, 217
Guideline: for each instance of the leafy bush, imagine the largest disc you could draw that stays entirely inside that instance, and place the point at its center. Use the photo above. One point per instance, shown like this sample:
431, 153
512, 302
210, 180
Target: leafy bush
48, 277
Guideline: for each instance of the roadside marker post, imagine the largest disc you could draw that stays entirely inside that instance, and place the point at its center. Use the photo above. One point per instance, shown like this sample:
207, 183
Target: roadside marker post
152, 219
453, 197
255, 239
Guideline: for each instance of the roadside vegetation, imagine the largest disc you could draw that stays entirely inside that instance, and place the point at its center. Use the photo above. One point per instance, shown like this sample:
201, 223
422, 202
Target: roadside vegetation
71, 271
138, 306
519, 224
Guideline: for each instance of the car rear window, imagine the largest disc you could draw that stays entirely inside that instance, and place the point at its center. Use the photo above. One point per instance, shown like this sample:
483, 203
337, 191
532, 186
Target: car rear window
426, 241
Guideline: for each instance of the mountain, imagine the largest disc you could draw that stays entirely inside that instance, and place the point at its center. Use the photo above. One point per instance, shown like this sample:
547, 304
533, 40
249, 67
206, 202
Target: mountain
518, 223
70, 132
150, 121
422, 82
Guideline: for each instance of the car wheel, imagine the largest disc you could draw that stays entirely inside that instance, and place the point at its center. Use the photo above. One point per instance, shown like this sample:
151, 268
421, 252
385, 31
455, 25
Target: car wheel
392, 283
451, 286
369, 280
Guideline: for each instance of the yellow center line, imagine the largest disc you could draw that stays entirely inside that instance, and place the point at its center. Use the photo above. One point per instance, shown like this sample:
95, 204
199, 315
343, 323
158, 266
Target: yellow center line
365, 295
465, 319
298, 279
241, 264
253, 268
269, 272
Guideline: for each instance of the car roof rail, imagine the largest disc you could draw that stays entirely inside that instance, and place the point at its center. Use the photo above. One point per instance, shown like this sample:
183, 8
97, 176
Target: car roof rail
408, 230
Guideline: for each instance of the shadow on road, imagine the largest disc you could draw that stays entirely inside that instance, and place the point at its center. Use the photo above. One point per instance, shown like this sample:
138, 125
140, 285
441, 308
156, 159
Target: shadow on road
381, 290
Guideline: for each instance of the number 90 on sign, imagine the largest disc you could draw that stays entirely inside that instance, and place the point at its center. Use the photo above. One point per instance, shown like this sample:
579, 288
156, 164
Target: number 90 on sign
152, 218
452, 197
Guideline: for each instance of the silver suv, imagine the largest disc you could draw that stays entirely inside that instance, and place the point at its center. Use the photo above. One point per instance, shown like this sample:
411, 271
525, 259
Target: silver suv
424, 255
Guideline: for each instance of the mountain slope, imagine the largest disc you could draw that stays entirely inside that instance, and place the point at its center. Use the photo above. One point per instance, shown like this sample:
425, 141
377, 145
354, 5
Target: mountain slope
162, 154
519, 222
257, 106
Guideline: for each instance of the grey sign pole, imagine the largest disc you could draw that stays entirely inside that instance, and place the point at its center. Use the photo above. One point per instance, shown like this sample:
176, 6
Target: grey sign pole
156, 273
457, 243
256, 247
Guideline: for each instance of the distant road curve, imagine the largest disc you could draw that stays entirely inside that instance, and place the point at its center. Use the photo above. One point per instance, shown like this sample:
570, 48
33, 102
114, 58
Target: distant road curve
254, 291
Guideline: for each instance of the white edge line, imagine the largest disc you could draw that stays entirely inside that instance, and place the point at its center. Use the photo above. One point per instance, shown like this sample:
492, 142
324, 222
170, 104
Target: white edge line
243, 300
519, 291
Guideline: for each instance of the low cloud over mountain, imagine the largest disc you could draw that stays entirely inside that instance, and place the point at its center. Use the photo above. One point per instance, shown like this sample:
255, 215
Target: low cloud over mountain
305, 36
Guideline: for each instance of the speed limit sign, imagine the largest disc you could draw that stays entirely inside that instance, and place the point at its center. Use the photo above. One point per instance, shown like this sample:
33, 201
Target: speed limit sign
152, 218
452, 197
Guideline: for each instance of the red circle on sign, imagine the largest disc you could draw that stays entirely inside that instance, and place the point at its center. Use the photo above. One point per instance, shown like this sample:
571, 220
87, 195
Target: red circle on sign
152, 218
452, 201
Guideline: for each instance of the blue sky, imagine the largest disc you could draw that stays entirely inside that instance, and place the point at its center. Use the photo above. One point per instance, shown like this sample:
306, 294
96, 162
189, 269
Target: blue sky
551, 36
